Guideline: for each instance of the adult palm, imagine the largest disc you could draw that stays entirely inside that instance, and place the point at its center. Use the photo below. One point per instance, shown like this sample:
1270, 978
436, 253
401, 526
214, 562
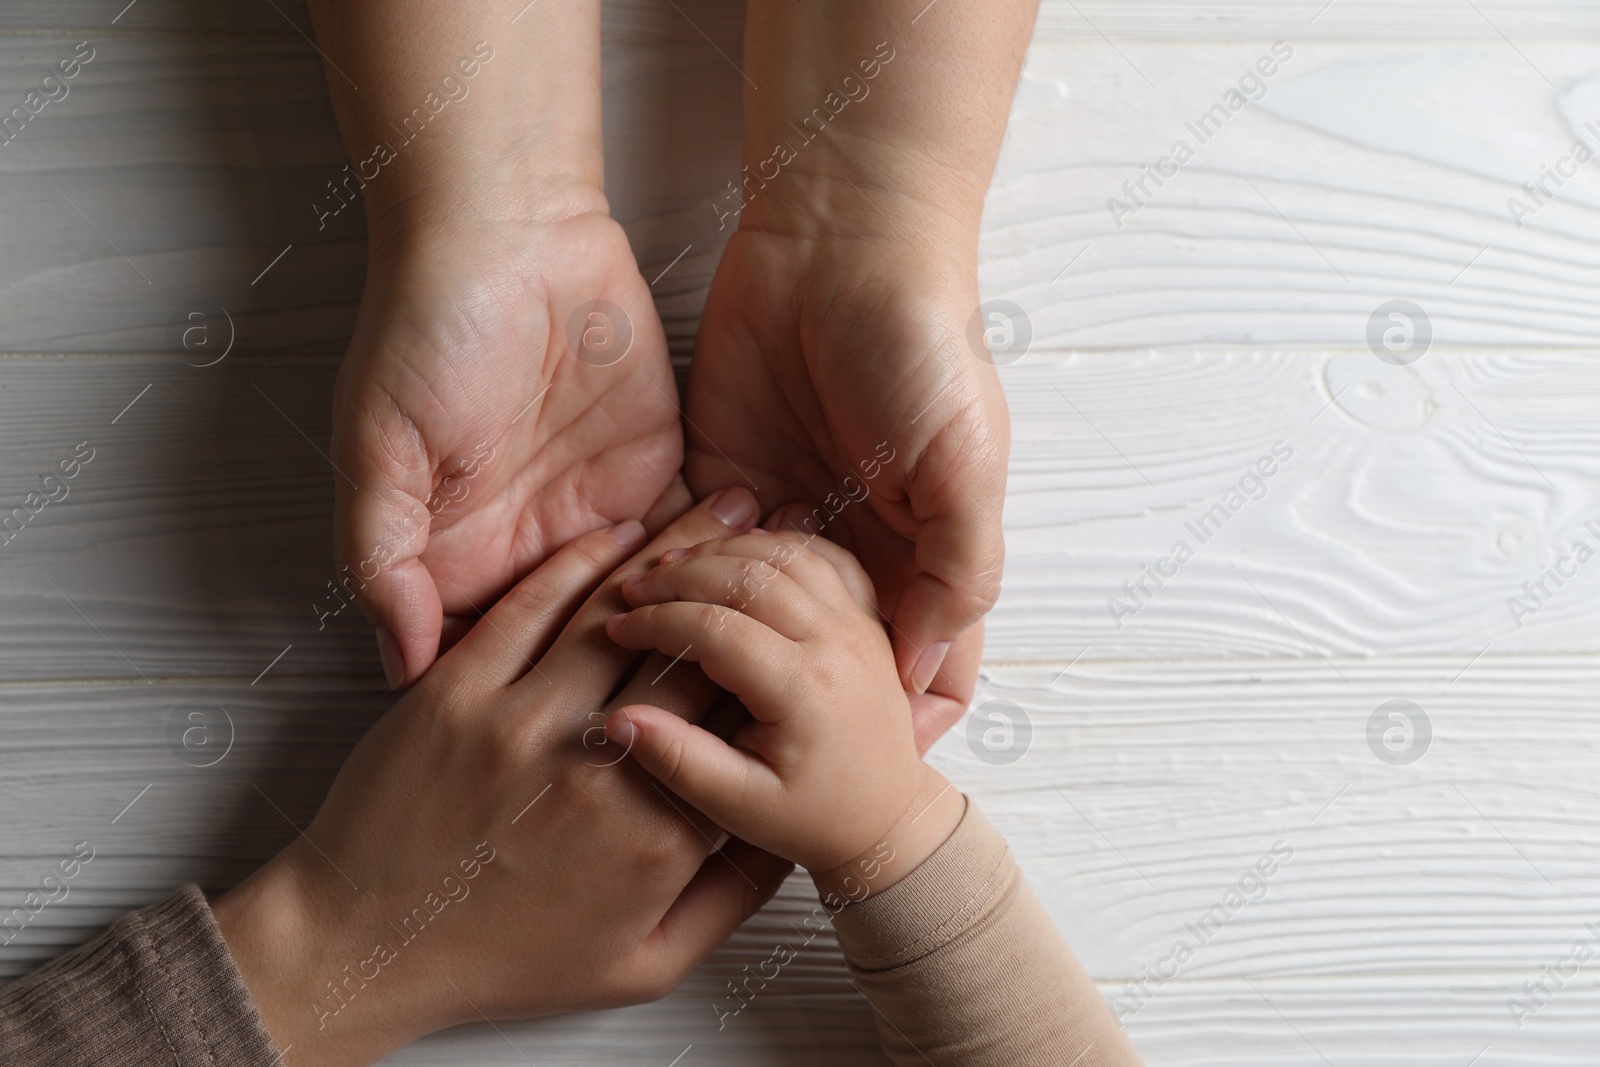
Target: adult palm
829, 367
506, 389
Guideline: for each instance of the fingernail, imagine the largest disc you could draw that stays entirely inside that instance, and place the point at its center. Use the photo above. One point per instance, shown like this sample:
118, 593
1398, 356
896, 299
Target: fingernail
394, 662
627, 534
621, 729
673, 553
759, 530
735, 507
927, 665
613, 622
632, 580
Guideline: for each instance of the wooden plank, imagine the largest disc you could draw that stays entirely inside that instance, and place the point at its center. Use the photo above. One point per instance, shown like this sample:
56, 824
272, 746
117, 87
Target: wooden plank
1146, 794
1413, 510
1086, 20
1470, 868
1366, 173
196, 541
205, 511
175, 171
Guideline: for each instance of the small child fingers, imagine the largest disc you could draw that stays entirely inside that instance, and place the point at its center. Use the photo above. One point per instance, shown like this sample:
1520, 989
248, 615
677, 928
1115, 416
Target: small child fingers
811, 571
743, 656
726, 784
845, 564
745, 583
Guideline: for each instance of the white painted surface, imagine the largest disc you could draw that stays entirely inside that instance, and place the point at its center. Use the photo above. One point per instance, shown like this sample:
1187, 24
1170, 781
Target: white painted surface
1228, 714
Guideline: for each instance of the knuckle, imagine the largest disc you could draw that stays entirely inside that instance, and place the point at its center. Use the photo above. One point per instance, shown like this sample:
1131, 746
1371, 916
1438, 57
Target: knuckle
708, 619
670, 763
453, 694
585, 788
532, 595
755, 573
794, 667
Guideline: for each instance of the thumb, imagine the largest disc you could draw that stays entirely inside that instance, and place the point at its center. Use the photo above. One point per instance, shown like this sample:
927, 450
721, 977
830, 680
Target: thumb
955, 492
699, 766
381, 527
950, 693
959, 556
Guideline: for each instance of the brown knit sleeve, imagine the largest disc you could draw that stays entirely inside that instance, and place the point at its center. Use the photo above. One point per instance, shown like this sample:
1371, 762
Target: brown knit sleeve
963, 966
158, 989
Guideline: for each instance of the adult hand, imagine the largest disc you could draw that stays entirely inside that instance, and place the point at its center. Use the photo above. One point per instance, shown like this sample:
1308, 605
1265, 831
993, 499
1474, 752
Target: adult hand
484, 853
837, 331
507, 386
824, 373
478, 421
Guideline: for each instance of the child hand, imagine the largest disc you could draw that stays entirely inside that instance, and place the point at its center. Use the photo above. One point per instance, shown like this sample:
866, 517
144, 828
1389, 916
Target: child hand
827, 774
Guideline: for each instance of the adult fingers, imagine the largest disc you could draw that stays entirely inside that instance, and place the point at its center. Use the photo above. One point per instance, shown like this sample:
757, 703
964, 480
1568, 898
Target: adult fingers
956, 494
732, 884
740, 654
667, 683
584, 663
949, 695
514, 633
728, 785
674, 500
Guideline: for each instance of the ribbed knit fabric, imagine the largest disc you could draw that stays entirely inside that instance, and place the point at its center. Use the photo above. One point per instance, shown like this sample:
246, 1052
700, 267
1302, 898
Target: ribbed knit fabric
959, 960
158, 989
964, 967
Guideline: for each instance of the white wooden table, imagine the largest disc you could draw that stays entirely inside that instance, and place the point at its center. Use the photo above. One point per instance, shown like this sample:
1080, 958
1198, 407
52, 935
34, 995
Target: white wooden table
1227, 715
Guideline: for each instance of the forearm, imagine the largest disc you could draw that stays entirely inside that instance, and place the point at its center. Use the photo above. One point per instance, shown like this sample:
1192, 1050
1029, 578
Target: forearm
963, 966
858, 113
495, 101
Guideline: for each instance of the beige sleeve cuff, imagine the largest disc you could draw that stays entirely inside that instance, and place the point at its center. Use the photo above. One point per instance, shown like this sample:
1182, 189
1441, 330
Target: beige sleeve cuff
963, 966
158, 989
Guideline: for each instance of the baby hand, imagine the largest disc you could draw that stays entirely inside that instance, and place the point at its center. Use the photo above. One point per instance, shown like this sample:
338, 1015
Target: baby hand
827, 775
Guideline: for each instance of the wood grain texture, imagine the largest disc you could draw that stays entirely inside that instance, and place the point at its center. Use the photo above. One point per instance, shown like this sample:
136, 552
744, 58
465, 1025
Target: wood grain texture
1417, 502
1367, 172
1166, 755
1362, 174
205, 511
1096, 20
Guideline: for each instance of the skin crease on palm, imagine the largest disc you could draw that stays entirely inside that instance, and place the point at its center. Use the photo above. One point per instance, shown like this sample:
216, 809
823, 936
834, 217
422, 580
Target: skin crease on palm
795, 373
459, 335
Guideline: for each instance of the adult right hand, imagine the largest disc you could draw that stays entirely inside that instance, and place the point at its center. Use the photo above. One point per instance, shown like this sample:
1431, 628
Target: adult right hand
484, 853
479, 423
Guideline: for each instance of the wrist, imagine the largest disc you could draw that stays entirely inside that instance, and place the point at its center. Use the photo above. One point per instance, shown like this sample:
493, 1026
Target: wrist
290, 942
438, 198
498, 103
931, 816
881, 192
